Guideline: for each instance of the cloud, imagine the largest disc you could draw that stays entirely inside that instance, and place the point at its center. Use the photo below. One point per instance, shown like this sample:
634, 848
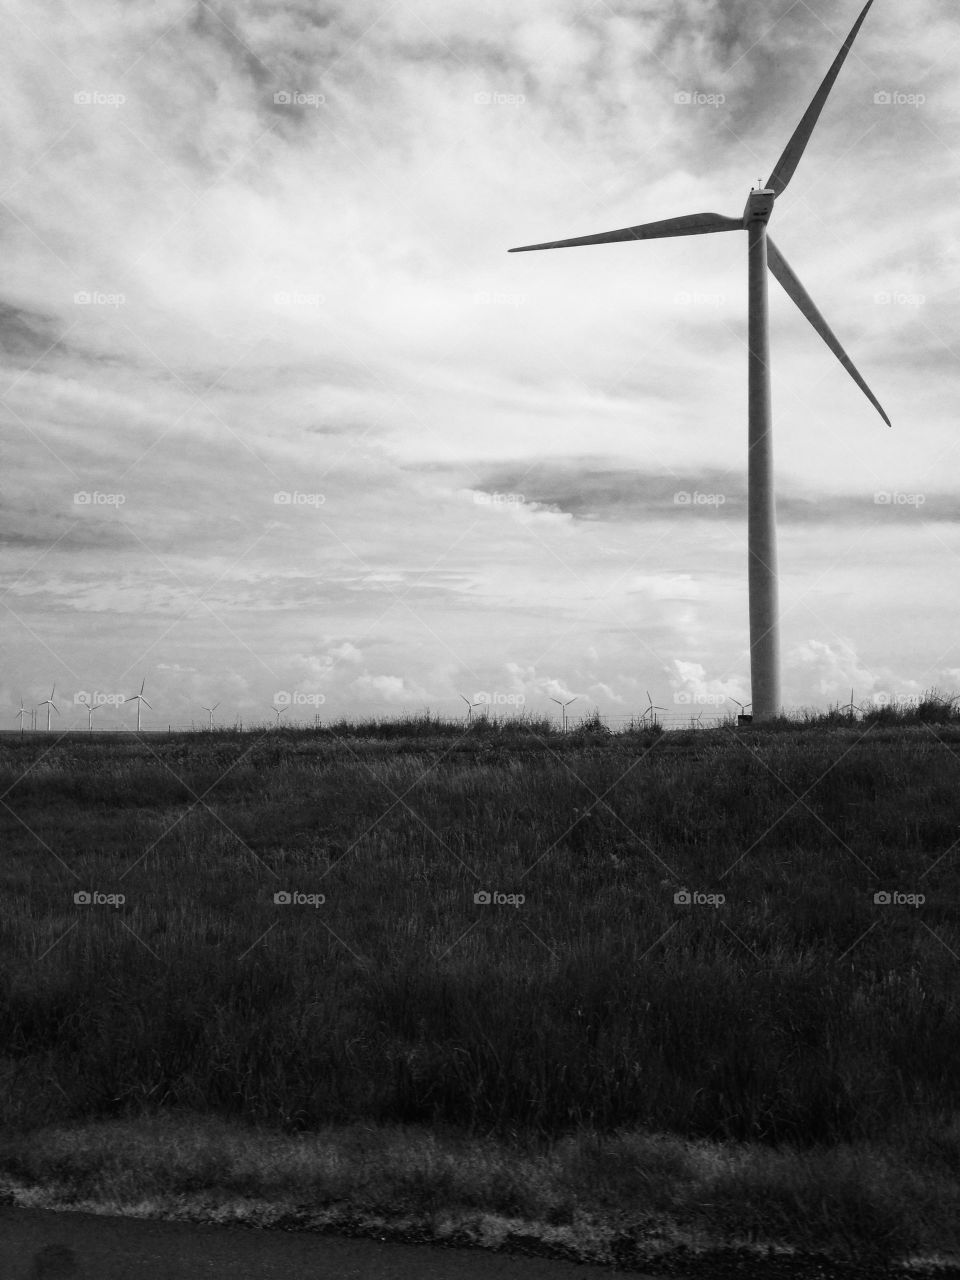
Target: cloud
835, 669
310, 294
393, 690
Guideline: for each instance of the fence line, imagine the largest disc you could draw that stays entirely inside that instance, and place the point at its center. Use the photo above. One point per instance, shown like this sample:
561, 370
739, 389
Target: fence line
666, 720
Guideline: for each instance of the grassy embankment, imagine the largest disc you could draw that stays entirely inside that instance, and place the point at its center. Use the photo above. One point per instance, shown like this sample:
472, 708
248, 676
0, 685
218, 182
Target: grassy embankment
601, 1067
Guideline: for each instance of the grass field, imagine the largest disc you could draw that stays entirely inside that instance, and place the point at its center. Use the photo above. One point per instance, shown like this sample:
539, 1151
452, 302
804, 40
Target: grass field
772, 1057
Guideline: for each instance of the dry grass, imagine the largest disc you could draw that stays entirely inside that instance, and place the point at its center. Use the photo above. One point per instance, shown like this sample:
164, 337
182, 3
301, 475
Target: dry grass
800, 1017
592, 1196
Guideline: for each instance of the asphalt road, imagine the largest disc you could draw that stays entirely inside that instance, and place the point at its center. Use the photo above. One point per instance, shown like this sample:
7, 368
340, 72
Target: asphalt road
136, 1249
41, 1244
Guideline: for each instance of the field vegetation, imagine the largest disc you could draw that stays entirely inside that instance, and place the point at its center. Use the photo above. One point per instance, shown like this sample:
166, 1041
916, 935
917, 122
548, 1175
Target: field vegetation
644, 977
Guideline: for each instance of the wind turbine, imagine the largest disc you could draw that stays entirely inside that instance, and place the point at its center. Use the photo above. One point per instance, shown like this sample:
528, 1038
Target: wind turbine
278, 712
90, 710
470, 706
20, 714
210, 711
650, 709
743, 709
563, 708
850, 707
48, 703
138, 698
761, 254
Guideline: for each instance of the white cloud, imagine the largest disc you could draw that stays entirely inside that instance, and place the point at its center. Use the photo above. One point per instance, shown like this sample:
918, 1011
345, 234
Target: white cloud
412, 356
832, 670
393, 690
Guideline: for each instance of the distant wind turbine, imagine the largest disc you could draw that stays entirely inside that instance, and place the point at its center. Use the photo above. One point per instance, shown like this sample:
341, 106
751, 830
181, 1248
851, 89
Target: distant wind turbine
762, 254
650, 709
90, 708
742, 705
470, 706
138, 698
48, 703
278, 712
850, 707
20, 714
563, 708
211, 710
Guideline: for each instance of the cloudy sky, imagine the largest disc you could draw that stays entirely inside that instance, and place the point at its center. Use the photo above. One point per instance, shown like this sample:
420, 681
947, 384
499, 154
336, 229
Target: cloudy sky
282, 419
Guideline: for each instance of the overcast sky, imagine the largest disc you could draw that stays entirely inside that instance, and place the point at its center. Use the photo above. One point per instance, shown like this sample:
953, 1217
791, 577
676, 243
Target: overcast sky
256, 250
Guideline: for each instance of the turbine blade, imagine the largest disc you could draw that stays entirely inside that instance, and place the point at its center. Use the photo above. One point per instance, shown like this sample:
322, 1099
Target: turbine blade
781, 271
785, 166
688, 224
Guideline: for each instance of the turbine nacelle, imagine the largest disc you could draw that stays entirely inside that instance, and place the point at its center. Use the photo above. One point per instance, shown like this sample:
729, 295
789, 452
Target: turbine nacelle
759, 206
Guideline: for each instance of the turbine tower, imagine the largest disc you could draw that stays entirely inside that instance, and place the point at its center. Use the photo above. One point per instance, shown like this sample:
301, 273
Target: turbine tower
20, 714
138, 698
470, 706
210, 711
563, 708
762, 254
48, 703
90, 709
650, 710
